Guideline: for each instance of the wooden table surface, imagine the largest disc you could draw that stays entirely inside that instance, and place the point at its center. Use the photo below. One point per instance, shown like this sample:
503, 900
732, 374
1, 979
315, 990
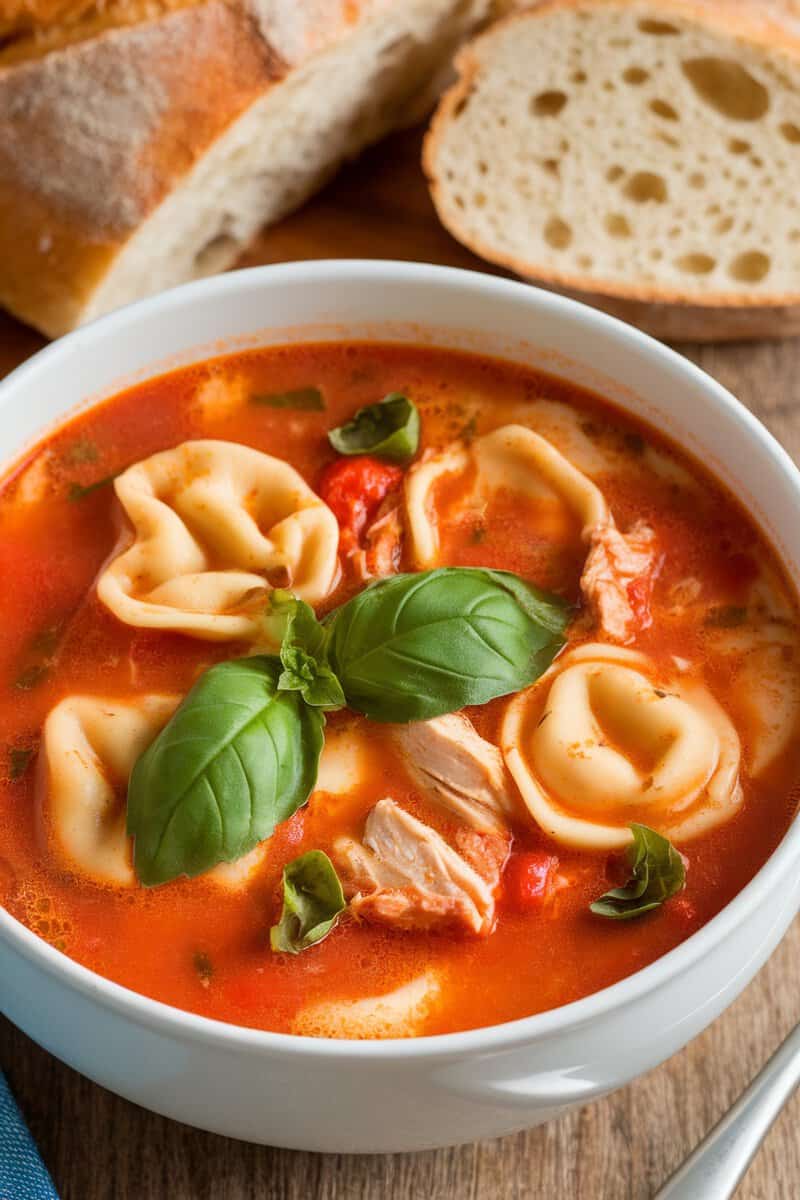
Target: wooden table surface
99, 1147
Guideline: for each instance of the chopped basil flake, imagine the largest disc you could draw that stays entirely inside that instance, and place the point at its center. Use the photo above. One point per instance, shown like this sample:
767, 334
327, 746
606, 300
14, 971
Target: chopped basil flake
307, 399
727, 616
203, 967
18, 761
81, 451
77, 491
31, 676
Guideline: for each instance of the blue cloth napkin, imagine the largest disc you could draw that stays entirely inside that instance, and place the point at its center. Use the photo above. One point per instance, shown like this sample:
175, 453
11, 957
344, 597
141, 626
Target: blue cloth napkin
23, 1175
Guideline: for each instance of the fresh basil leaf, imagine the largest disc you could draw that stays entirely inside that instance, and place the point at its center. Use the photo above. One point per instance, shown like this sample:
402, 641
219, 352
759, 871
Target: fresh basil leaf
312, 901
388, 429
544, 608
303, 651
307, 399
657, 872
237, 757
415, 646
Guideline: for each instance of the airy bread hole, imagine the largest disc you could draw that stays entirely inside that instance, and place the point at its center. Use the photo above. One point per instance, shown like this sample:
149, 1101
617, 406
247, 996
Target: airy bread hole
479, 200
579, 77
750, 267
548, 104
658, 28
724, 225
696, 264
646, 186
216, 254
552, 166
585, 261
726, 86
662, 109
635, 75
483, 167
617, 225
557, 233
737, 146
614, 173
667, 139
791, 132
794, 235
697, 179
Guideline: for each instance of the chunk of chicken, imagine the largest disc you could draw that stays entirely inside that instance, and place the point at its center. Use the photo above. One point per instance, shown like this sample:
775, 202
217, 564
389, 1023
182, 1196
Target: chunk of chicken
383, 543
404, 874
617, 579
452, 764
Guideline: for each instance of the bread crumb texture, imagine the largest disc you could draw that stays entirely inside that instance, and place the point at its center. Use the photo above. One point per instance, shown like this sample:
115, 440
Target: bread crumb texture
627, 148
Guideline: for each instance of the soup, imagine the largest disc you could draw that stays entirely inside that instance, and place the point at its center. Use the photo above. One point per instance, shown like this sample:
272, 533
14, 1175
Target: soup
398, 724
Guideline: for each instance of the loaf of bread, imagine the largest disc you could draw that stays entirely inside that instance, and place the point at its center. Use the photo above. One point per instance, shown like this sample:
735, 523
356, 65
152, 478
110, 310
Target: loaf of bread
144, 142
643, 155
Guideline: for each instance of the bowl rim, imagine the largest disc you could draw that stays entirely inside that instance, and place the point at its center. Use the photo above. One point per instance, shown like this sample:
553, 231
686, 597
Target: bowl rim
191, 1027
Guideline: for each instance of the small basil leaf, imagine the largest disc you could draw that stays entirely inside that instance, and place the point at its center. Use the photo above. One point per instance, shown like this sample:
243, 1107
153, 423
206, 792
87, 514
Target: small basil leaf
237, 757
312, 901
303, 651
388, 429
657, 872
415, 646
307, 399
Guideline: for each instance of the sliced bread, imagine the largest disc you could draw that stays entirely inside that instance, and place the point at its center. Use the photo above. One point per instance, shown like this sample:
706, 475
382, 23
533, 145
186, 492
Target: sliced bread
144, 142
641, 154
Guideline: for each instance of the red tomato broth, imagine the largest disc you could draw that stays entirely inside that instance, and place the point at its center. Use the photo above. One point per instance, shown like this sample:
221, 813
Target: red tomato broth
194, 946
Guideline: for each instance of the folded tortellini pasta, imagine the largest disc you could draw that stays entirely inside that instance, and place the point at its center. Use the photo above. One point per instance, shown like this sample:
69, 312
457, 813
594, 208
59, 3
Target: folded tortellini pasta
90, 745
513, 458
602, 740
215, 526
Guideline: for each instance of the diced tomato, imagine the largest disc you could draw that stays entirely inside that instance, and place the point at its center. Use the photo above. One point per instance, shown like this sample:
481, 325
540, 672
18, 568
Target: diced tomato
530, 879
354, 489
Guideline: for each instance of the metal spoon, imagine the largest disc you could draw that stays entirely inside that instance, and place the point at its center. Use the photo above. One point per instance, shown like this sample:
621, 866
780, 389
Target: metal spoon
715, 1168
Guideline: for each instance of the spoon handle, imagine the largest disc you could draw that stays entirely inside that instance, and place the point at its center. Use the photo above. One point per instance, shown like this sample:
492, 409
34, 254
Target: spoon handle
715, 1168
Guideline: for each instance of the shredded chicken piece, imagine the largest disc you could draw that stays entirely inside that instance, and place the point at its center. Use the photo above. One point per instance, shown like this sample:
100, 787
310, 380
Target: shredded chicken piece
383, 543
404, 874
453, 765
618, 577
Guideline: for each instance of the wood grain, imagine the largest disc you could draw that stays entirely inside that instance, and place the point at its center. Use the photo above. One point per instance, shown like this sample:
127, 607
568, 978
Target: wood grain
99, 1147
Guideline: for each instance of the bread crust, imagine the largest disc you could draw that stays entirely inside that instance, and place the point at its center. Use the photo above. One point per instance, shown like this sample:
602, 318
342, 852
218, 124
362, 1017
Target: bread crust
775, 27
94, 135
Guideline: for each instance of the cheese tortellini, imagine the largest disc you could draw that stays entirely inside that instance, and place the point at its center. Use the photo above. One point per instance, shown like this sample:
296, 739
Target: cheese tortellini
90, 745
216, 524
601, 741
513, 458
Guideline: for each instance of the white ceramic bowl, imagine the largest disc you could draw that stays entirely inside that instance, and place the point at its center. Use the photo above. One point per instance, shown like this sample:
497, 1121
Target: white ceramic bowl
402, 1095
